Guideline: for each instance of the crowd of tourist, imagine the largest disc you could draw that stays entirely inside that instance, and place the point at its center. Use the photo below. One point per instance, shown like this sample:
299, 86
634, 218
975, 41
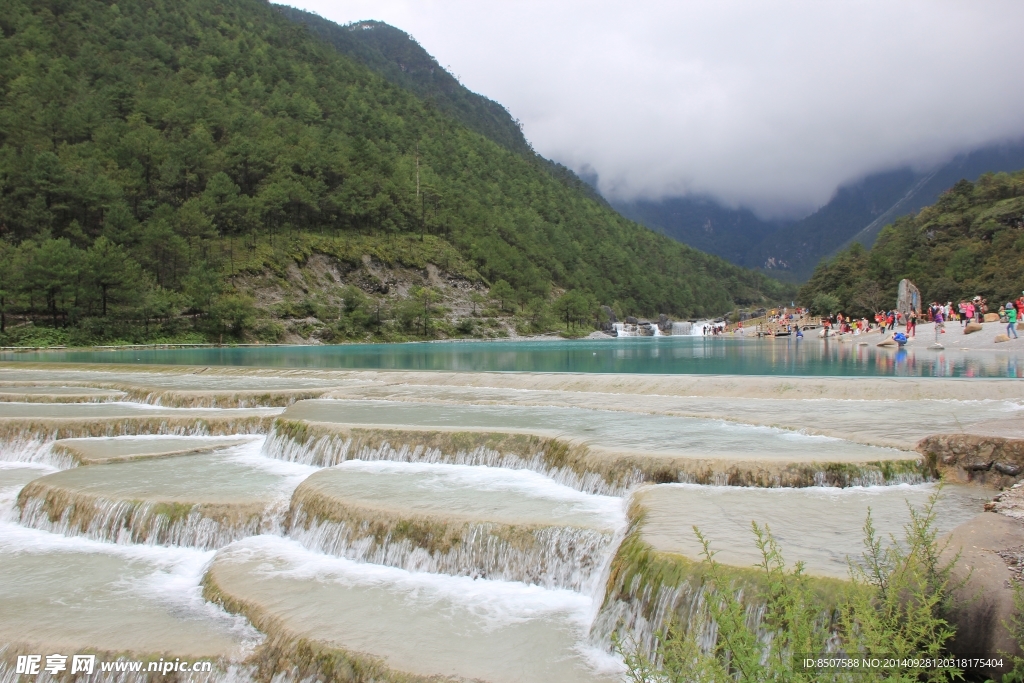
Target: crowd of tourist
791, 320
965, 312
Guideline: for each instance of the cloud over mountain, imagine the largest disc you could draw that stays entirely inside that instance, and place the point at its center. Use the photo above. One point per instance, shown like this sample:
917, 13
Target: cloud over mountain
769, 105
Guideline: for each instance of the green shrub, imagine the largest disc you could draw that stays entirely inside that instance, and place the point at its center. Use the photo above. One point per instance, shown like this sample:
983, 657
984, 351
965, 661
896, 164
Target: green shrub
893, 607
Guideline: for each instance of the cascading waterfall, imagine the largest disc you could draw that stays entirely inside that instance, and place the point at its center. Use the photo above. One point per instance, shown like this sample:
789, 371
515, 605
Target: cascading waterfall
869, 477
32, 440
558, 555
35, 448
701, 328
681, 328
639, 619
551, 557
329, 450
205, 527
644, 329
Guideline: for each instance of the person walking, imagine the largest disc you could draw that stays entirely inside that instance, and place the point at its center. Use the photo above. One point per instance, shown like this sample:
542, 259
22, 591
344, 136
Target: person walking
912, 323
1011, 318
937, 317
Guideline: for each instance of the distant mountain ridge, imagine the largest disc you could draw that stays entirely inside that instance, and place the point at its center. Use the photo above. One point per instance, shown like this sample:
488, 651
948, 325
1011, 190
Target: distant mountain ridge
702, 223
856, 212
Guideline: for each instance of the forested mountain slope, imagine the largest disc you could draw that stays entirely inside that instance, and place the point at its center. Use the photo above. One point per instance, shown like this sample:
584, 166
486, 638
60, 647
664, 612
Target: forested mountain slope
394, 54
182, 167
970, 242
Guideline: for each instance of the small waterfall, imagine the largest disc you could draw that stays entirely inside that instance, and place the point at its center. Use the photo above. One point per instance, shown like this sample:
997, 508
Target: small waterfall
331, 449
640, 603
681, 329
34, 440
863, 476
227, 399
638, 620
127, 521
30, 440
703, 327
551, 557
36, 448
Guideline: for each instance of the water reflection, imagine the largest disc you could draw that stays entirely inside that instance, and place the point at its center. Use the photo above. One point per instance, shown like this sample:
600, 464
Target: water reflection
657, 355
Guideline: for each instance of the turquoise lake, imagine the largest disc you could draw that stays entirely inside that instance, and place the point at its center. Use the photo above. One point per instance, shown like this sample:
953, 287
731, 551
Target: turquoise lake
643, 355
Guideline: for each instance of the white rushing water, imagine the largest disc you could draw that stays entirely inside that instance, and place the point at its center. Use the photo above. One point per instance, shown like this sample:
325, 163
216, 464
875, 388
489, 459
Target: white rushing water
129, 597
501, 524
227, 495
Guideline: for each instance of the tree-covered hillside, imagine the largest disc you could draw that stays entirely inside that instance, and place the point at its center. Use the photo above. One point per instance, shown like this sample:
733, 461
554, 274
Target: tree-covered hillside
395, 55
158, 158
970, 242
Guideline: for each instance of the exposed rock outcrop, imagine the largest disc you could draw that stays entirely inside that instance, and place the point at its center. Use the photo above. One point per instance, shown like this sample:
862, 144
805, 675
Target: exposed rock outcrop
990, 460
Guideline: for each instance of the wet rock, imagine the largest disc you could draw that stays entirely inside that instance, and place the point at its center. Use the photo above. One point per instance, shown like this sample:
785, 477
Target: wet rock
972, 327
978, 466
1008, 468
630, 320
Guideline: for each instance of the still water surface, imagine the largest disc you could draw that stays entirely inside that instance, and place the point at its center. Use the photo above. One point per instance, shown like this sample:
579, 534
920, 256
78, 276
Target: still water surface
654, 355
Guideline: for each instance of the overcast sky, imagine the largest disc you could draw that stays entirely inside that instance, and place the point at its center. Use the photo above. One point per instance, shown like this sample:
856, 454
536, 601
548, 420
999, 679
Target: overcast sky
769, 105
